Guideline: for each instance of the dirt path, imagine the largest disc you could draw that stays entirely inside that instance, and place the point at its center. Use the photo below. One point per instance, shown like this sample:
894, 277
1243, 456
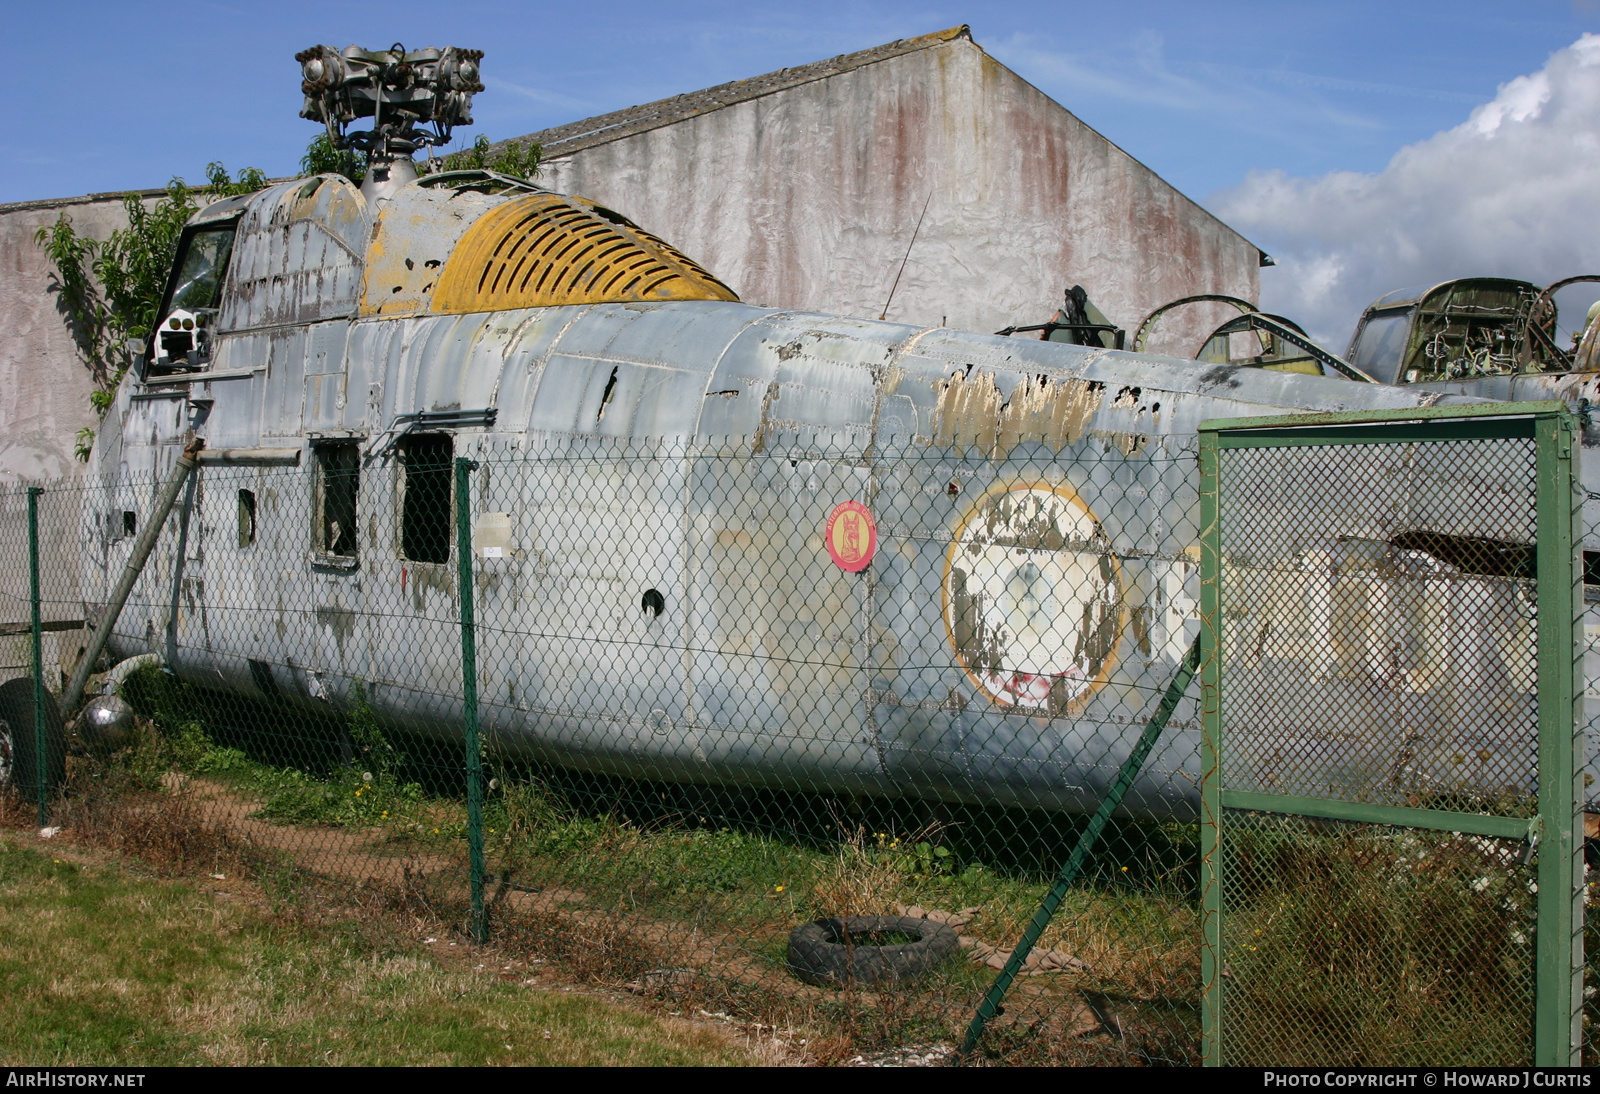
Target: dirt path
351, 854
369, 856
685, 952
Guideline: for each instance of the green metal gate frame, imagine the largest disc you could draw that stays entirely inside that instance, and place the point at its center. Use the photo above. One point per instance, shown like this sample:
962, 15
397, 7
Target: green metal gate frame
1558, 974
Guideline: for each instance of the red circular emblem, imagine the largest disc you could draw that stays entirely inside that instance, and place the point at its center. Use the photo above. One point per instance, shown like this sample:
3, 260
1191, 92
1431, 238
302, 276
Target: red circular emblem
852, 536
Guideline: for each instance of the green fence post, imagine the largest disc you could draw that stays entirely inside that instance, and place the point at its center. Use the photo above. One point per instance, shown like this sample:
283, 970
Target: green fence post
1210, 752
41, 765
469, 694
1558, 976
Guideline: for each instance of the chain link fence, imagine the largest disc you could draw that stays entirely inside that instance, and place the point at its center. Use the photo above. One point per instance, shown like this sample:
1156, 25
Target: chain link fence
1588, 683
713, 701
720, 693
1391, 806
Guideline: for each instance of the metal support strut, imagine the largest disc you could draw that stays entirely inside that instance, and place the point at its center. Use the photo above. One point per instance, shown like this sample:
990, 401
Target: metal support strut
130, 575
41, 765
1058, 892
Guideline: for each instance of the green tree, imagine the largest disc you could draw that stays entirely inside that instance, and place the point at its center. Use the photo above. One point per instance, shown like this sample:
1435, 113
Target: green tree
514, 159
322, 158
109, 292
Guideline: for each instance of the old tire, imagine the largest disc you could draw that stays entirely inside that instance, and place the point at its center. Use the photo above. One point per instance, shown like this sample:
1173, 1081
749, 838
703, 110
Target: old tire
869, 950
17, 739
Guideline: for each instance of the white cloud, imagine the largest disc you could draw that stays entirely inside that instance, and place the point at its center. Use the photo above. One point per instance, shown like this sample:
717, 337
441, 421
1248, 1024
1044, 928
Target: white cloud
1513, 191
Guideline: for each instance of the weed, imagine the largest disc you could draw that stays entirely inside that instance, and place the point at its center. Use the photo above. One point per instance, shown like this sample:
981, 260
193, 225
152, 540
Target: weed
1358, 944
687, 891
868, 875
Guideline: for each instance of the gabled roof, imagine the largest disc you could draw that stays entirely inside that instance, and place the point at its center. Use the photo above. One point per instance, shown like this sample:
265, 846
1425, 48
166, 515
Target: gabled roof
563, 140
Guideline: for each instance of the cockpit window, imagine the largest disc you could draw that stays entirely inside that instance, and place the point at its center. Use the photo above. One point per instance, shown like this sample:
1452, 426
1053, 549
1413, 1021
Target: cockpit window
182, 338
1382, 344
201, 270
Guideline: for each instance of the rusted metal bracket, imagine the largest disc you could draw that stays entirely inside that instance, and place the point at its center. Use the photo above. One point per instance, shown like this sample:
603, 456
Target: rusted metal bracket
429, 419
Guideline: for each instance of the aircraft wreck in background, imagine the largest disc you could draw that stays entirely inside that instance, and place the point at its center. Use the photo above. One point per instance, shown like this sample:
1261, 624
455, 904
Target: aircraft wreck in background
1471, 329
1464, 330
1490, 337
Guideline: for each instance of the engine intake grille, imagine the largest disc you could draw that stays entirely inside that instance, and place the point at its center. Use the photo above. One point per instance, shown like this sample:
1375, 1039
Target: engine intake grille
545, 250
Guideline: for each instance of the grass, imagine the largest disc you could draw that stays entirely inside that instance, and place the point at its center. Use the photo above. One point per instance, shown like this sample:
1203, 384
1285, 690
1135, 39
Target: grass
1344, 945
672, 873
107, 969
738, 856
765, 883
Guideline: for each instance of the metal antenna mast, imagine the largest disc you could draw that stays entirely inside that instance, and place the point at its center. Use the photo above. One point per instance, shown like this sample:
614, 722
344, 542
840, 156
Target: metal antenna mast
906, 259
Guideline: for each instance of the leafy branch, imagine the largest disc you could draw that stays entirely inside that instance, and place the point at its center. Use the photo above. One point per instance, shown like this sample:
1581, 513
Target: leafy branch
322, 158
513, 159
109, 292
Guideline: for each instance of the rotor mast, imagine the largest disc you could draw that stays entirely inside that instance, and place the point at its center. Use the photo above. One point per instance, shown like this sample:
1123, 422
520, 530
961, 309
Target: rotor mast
414, 99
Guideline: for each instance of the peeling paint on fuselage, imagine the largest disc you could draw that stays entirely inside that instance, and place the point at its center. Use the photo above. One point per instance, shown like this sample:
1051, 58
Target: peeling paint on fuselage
875, 407
971, 411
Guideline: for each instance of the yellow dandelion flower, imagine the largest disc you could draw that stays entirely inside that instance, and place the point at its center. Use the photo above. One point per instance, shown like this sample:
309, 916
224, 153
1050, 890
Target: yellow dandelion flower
780, 888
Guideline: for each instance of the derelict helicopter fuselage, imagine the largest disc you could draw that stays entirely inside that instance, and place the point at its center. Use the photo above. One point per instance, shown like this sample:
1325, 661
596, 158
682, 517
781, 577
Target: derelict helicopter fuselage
337, 329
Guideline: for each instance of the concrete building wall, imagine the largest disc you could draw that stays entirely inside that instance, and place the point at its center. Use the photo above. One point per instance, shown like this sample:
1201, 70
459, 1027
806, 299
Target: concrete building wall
807, 197
44, 380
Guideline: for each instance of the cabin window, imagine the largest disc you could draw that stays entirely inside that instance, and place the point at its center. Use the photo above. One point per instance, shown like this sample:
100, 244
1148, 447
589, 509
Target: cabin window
338, 478
182, 337
247, 517
425, 463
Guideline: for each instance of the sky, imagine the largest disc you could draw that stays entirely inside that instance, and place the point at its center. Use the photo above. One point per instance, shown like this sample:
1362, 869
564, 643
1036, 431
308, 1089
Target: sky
1365, 145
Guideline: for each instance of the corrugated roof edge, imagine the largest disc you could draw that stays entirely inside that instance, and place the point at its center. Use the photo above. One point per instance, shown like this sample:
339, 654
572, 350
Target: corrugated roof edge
575, 136
92, 199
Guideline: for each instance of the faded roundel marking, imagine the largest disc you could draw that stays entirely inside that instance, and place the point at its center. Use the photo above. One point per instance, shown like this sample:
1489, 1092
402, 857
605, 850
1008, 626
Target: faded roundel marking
852, 536
1033, 598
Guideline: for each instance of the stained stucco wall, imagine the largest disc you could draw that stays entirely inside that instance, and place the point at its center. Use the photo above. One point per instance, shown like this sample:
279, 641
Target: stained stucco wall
44, 401
808, 197
44, 382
